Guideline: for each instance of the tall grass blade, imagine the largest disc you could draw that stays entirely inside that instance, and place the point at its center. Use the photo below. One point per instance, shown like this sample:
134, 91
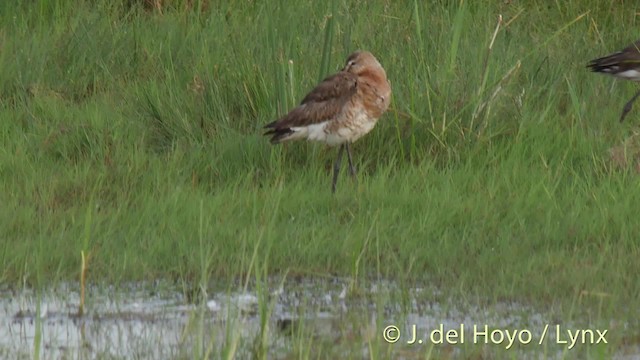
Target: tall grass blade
458, 26
326, 47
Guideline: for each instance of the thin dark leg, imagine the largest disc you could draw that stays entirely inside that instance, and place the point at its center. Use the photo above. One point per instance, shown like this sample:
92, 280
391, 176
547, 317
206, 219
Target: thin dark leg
352, 168
628, 106
336, 168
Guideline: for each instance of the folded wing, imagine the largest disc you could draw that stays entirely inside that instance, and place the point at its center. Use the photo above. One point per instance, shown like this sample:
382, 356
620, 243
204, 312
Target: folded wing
324, 103
623, 64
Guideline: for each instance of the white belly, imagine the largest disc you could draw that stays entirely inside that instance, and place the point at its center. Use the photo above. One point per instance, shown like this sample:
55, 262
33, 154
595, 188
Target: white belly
349, 130
629, 74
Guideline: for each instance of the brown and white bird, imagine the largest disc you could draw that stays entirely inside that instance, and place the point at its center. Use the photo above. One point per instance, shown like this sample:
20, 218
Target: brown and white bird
340, 110
624, 64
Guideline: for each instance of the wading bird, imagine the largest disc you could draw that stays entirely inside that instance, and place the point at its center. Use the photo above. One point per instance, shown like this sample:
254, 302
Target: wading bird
340, 110
623, 64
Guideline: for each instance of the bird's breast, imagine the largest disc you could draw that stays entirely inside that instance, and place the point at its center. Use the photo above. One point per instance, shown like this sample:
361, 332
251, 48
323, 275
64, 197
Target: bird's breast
353, 123
376, 97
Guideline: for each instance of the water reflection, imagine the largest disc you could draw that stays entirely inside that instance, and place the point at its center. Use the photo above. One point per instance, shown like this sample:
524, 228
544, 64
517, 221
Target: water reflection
154, 321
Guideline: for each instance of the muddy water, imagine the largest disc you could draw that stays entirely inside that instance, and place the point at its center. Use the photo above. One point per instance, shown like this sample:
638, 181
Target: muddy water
156, 321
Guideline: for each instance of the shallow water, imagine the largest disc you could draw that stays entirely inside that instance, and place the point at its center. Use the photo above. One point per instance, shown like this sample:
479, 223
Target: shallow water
155, 321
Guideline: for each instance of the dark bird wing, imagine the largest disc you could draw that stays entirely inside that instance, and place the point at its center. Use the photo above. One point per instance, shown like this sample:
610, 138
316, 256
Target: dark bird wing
325, 102
619, 62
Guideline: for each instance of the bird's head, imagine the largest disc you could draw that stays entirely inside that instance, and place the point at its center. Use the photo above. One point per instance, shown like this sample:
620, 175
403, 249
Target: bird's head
360, 62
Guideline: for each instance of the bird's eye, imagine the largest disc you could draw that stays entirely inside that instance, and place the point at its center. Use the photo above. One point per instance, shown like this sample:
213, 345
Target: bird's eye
351, 63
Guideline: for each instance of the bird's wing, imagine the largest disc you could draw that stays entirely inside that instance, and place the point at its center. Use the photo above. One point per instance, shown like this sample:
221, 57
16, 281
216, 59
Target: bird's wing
632, 52
323, 103
628, 58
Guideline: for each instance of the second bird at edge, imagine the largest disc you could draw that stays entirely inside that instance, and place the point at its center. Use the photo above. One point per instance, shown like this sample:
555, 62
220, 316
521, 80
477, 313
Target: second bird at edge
624, 64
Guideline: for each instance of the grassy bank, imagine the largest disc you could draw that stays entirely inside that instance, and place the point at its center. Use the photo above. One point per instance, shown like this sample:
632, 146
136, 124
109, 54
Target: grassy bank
135, 135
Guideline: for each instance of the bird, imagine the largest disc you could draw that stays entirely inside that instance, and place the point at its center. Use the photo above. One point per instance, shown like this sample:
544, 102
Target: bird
624, 64
340, 110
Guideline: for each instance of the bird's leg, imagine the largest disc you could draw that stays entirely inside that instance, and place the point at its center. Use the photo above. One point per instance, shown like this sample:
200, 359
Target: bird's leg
628, 106
336, 168
352, 168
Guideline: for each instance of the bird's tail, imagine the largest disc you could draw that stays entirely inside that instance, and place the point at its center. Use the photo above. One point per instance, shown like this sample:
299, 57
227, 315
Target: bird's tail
608, 64
278, 134
623, 64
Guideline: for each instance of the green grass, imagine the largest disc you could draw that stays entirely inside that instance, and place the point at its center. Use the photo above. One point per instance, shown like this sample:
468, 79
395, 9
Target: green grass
136, 136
